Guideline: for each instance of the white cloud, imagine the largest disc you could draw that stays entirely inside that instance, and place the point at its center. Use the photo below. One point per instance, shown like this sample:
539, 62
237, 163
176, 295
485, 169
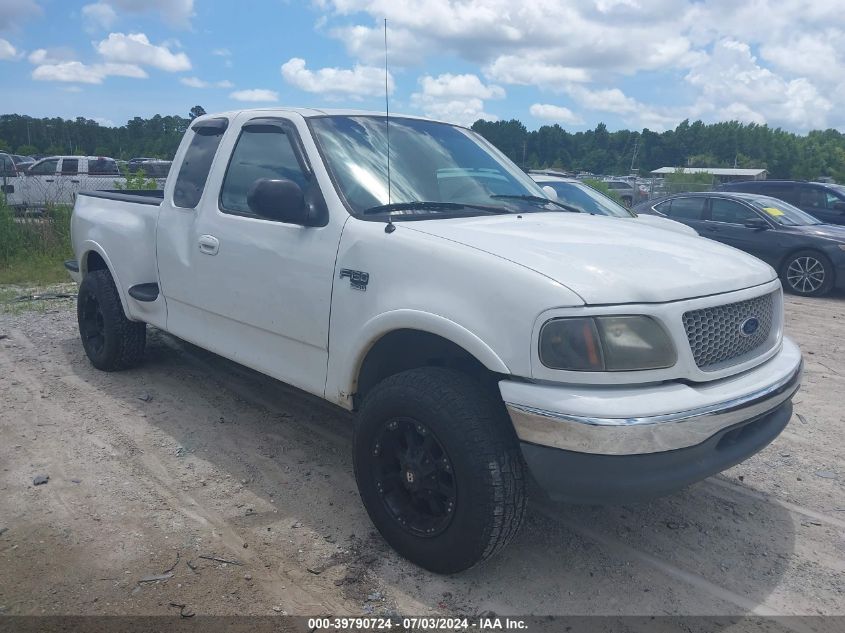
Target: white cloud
527, 71
7, 51
795, 52
448, 85
732, 81
13, 12
51, 55
256, 94
355, 83
222, 52
77, 72
99, 15
177, 13
135, 48
196, 82
455, 98
604, 100
555, 113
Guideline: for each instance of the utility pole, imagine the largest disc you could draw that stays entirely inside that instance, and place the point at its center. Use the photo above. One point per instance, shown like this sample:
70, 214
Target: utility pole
524, 149
634, 157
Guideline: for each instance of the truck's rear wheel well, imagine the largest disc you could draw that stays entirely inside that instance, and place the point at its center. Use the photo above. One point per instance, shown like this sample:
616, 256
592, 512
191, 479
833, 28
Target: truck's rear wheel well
94, 261
402, 350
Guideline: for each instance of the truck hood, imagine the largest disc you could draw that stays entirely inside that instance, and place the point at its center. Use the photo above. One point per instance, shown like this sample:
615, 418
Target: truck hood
606, 261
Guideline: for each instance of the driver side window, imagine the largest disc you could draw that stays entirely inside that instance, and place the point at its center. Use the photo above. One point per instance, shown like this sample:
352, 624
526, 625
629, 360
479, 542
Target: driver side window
730, 212
262, 151
46, 167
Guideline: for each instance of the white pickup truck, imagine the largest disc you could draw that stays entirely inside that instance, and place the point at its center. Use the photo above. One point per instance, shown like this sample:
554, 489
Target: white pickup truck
56, 180
484, 334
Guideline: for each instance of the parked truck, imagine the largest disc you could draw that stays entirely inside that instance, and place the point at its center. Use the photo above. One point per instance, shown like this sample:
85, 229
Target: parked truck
484, 334
56, 180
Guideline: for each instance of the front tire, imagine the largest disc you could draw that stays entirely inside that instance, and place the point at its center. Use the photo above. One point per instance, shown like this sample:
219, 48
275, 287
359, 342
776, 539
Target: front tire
808, 274
439, 468
111, 341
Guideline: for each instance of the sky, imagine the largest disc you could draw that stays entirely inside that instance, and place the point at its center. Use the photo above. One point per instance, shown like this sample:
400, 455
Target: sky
628, 63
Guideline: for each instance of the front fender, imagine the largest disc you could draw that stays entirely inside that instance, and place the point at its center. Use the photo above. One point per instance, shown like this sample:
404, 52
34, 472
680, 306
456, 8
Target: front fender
343, 375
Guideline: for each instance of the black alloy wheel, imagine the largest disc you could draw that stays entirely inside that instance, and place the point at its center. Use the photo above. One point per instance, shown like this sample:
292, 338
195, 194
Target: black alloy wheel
414, 477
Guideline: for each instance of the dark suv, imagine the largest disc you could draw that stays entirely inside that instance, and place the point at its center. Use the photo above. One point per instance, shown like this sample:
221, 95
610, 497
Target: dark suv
824, 201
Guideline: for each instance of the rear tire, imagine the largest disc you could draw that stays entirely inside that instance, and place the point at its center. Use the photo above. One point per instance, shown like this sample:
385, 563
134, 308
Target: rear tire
808, 274
439, 468
111, 341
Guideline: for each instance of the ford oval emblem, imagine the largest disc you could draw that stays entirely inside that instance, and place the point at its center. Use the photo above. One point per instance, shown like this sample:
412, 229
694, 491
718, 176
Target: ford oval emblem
749, 326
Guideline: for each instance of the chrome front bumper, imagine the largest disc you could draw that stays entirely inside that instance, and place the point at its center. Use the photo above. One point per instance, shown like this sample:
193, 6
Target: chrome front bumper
635, 421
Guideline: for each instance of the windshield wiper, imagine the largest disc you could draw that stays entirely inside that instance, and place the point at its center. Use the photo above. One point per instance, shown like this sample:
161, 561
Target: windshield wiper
421, 205
539, 199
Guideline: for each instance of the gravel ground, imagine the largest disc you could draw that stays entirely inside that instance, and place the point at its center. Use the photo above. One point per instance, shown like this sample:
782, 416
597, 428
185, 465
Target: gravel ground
192, 480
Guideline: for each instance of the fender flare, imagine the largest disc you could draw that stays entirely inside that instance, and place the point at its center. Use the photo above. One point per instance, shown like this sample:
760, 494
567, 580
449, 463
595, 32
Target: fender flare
89, 246
406, 319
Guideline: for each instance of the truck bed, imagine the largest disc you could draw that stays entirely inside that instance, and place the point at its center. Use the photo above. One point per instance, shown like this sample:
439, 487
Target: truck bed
137, 196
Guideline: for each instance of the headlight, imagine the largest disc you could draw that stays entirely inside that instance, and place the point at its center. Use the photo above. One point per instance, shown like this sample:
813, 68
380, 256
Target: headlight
606, 343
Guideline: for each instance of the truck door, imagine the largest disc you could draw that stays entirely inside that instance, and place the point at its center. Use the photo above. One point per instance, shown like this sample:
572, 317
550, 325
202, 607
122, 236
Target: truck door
40, 188
11, 191
68, 181
252, 289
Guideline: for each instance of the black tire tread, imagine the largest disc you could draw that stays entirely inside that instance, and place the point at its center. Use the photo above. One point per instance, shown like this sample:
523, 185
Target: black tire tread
487, 434
129, 337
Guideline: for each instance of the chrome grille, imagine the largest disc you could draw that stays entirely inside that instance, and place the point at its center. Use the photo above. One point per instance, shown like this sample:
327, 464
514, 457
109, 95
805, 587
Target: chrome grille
716, 334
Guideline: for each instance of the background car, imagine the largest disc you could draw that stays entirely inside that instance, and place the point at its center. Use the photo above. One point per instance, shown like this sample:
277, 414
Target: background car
588, 200
134, 163
823, 201
808, 254
22, 162
629, 191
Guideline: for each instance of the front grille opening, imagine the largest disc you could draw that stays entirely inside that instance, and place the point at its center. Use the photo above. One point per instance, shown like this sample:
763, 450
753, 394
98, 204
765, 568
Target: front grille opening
721, 335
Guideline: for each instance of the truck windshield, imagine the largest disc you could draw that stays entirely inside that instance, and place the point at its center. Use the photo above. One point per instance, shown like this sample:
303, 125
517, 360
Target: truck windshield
586, 199
429, 162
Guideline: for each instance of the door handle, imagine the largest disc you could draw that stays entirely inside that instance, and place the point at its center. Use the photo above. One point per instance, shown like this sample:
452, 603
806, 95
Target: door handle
49, 180
209, 244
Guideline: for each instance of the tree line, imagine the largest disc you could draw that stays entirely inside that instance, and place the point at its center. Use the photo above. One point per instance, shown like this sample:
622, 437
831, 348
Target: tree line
156, 137
730, 144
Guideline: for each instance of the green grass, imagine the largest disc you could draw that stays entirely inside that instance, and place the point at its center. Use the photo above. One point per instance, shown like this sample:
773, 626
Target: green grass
39, 271
33, 249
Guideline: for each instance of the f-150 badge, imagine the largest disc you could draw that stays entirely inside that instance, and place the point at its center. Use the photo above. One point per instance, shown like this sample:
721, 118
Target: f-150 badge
358, 279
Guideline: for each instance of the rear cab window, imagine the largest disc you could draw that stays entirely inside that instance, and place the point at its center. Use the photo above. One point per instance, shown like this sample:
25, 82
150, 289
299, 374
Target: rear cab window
193, 173
70, 166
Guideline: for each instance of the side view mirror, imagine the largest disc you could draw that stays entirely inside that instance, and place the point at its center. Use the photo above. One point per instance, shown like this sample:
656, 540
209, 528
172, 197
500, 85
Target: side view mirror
758, 224
278, 199
551, 194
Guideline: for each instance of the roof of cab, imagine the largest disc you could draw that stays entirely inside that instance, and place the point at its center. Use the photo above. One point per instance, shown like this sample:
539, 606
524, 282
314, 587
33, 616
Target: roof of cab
309, 113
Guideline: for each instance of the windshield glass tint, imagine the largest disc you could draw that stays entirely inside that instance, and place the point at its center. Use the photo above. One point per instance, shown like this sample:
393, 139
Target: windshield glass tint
586, 199
782, 212
432, 162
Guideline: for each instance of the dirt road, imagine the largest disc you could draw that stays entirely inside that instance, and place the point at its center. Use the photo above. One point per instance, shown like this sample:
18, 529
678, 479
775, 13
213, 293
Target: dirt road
156, 472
